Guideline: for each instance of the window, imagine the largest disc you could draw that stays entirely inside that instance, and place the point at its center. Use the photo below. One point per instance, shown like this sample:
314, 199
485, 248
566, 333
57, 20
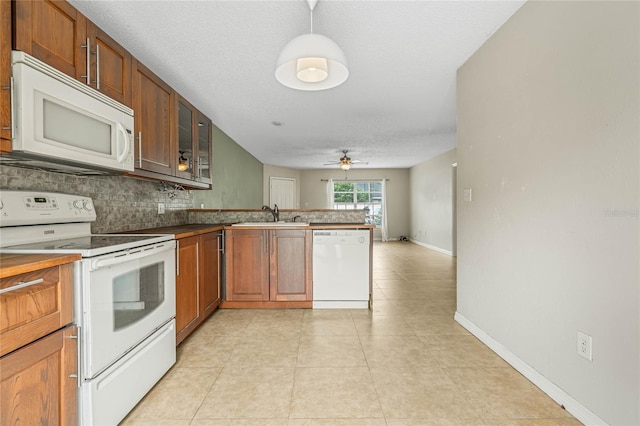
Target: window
360, 195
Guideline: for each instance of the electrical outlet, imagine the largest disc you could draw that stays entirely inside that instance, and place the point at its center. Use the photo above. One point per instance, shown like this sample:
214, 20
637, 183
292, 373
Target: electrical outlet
585, 349
468, 194
160, 208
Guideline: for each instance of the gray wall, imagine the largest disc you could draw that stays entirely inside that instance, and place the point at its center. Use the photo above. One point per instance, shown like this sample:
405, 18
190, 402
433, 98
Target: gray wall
432, 194
237, 177
313, 193
548, 131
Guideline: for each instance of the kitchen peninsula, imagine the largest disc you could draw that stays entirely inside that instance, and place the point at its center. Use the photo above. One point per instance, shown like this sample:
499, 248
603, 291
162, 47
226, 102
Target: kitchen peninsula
263, 265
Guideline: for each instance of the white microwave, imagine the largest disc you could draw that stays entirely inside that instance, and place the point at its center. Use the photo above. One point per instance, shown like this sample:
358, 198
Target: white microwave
61, 124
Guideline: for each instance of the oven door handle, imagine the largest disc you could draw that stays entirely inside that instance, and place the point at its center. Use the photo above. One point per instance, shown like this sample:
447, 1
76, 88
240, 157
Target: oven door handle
132, 254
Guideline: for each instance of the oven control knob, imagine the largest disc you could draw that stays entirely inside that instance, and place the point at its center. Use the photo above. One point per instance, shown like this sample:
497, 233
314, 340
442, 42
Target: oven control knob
88, 205
78, 204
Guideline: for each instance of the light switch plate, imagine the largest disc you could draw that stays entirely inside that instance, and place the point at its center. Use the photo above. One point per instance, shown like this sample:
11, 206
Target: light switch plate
160, 208
468, 194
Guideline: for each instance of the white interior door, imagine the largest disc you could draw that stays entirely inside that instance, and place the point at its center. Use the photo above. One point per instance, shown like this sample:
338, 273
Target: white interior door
282, 191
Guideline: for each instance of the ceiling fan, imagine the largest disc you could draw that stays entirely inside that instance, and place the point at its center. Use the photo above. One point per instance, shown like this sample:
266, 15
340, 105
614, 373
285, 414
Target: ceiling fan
345, 161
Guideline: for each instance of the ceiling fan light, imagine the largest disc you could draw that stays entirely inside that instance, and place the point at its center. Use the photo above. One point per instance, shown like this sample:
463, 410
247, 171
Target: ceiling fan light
311, 70
345, 166
311, 46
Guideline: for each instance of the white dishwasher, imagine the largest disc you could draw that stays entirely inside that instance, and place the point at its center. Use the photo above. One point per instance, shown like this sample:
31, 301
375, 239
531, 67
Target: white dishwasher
341, 268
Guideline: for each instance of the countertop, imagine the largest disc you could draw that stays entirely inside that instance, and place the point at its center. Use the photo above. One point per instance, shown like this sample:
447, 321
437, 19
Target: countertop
189, 230
15, 264
182, 231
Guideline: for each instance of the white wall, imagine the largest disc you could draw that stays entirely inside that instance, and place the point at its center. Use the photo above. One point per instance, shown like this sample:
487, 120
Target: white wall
313, 193
432, 202
270, 171
548, 134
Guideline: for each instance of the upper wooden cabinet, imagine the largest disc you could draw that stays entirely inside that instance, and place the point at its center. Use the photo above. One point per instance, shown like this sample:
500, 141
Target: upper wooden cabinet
165, 124
193, 136
57, 34
153, 104
110, 67
5, 76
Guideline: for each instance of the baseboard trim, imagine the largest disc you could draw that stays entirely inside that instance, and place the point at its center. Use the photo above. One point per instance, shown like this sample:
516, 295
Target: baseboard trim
578, 410
429, 246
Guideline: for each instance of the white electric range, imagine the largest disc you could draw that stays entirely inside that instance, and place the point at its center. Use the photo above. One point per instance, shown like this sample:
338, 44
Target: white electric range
124, 297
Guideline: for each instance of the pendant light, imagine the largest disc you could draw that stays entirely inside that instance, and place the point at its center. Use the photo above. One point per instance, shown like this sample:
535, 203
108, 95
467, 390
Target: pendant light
312, 61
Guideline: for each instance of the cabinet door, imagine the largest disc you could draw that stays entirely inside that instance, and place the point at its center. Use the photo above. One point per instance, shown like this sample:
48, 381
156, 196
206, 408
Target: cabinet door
247, 265
187, 297
210, 245
110, 66
204, 151
290, 269
185, 134
152, 103
54, 32
38, 383
5, 76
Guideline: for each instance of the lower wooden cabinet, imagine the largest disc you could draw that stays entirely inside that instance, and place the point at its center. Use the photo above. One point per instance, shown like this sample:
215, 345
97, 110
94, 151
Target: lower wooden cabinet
268, 265
197, 281
38, 383
187, 283
210, 269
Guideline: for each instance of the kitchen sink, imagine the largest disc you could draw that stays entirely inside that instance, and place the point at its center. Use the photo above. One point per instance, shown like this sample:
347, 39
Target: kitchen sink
271, 224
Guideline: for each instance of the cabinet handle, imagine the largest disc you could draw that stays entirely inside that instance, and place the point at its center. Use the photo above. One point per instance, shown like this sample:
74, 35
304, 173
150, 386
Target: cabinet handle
87, 46
177, 258
139, 150
77, 338
21, 284
97, 66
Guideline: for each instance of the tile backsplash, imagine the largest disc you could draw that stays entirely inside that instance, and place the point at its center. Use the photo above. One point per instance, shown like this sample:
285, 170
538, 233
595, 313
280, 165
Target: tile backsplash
234, 216
121, 203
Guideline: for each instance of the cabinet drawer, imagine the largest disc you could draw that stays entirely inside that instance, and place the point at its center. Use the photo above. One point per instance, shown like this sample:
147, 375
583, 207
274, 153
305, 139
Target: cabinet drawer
34, 304
38, 383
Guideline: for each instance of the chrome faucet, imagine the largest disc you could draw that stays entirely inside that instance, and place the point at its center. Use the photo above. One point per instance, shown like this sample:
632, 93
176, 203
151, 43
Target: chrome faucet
274, 211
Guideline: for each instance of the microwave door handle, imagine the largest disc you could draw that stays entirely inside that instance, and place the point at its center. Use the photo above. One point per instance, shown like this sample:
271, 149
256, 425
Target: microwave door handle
125, 143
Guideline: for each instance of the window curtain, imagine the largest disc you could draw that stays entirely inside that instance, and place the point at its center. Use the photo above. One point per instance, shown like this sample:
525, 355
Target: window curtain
385, 226
330, 194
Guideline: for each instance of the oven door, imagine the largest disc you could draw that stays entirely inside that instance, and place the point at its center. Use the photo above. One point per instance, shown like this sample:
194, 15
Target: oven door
126, 296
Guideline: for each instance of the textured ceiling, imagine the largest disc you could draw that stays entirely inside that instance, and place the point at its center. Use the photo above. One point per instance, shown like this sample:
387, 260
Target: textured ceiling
397, 108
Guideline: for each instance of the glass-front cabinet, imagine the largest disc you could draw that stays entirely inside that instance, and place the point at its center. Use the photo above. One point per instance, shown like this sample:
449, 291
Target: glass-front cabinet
194, 143
203, 162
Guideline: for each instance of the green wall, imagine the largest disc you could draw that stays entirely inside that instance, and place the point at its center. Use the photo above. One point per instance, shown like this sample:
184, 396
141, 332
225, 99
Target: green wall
237, 177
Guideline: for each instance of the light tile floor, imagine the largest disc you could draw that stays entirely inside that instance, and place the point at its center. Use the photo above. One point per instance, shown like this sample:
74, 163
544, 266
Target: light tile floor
407, 362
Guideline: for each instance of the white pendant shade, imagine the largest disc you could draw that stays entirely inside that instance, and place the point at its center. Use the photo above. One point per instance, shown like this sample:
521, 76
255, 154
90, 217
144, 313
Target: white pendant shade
312, 62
